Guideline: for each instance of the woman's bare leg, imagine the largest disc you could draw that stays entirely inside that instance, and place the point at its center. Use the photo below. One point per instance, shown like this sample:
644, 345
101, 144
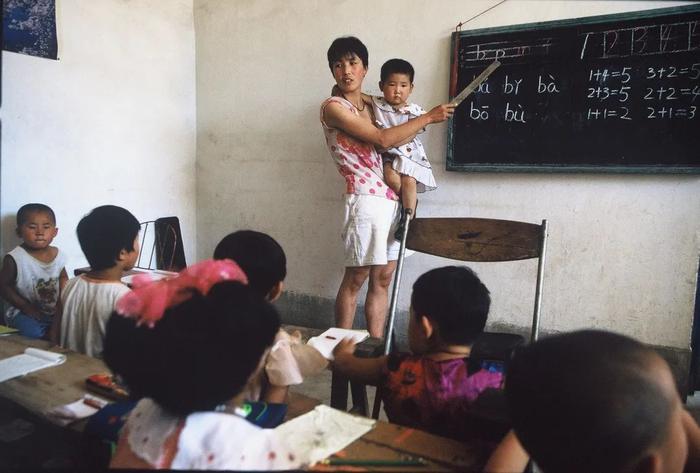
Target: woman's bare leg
346, 300
377, 302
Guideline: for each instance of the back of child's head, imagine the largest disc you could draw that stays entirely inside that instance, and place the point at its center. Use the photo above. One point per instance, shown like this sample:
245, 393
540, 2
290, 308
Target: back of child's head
27, 209
258, 254
396, 66
587, 401
455, 300
202, 351
104, 233
347, 46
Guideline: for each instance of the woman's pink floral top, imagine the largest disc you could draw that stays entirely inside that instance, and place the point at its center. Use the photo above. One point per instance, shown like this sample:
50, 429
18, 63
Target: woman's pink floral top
358, 162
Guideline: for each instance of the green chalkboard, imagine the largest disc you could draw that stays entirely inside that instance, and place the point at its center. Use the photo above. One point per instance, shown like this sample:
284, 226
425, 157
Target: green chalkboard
613, 93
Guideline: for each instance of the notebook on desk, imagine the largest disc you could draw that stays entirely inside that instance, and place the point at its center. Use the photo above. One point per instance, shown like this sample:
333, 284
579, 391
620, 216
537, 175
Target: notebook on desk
32, 359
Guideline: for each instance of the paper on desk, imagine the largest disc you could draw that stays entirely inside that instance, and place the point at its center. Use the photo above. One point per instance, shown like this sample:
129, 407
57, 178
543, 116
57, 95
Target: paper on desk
31, 360
80, 409
322, 432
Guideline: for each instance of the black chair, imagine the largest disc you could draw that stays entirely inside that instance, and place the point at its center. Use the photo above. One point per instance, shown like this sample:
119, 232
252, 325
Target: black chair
161, 245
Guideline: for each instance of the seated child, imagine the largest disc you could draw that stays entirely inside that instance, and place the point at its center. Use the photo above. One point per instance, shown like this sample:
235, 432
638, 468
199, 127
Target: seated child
109, 239
171, 342
406, 167
595, 401
431, 388
33, 274
289, 361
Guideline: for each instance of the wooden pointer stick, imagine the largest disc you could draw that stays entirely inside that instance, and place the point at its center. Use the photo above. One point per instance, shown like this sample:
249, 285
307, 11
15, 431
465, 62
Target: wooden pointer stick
475, 83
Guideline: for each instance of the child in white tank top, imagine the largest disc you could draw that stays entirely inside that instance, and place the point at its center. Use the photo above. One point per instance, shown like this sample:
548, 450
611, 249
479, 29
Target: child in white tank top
33, 274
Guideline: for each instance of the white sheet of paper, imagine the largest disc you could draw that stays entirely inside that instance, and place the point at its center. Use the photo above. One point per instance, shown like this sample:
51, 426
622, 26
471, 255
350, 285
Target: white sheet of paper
322, 432
326, 342
31, 360
77, 410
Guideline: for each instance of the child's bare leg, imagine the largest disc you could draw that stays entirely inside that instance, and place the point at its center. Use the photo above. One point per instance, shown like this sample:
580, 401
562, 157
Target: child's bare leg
408, 193
392, 178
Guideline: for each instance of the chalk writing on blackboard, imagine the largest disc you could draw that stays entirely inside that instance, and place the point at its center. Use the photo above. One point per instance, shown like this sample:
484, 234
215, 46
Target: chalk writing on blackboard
612, 93
665, 38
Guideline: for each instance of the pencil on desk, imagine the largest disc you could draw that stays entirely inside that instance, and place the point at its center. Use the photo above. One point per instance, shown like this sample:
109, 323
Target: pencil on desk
374, 462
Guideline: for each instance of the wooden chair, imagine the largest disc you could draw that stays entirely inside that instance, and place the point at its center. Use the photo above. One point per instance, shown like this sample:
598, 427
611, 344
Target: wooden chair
478, 240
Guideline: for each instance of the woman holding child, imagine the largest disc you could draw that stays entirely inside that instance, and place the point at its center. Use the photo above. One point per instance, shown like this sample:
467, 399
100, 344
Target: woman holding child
371, 207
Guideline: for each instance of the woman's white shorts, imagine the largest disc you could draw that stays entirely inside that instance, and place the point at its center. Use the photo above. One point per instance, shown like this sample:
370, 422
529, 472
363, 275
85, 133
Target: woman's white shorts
368, 230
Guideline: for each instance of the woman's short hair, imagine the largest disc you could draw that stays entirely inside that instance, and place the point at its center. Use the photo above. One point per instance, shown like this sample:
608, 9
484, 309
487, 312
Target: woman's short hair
200, 354
347, 45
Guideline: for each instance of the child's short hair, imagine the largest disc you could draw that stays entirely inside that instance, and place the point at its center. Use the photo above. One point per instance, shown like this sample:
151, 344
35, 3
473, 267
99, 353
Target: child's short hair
396, 66
259, 256
200, 354
106, 231
586, 401
26, 209
347, 45
455, 299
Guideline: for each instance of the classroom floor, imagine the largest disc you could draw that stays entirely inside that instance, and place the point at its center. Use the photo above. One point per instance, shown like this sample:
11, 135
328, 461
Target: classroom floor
319, 387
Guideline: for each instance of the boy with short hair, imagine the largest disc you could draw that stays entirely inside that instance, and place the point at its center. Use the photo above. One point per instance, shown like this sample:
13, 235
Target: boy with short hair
33, 274
109, 239
595, 401
265, 264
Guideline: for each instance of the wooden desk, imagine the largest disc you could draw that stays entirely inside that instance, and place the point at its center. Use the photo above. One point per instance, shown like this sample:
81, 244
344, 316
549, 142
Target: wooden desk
50, 387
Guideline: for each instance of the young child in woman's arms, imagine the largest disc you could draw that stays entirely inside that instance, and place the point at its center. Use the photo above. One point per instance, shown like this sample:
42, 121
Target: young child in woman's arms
289, 361
406, 167
33, 274
595, 401
432, 388
187, 347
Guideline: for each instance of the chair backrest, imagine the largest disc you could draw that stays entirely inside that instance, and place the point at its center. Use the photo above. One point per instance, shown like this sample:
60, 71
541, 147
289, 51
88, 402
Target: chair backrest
161, 245
483, 240
169, 244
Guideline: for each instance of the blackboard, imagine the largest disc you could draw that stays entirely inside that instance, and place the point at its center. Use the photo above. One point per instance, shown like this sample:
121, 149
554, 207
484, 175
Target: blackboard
613, 93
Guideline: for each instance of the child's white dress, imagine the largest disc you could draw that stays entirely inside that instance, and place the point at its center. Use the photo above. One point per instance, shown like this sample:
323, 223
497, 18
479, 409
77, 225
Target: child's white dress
203, 441
408, 159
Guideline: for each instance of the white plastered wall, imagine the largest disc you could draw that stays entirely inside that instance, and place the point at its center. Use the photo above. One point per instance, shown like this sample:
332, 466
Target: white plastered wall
111, 122
623, 249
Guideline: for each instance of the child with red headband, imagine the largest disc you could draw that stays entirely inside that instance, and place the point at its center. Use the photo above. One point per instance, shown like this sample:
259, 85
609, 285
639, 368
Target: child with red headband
171, 341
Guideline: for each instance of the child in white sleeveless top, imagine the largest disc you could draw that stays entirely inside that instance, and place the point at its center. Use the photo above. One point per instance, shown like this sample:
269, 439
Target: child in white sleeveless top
33, 274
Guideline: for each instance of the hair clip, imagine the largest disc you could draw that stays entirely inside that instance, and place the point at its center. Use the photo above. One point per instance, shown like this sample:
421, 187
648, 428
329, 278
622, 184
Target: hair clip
148, 300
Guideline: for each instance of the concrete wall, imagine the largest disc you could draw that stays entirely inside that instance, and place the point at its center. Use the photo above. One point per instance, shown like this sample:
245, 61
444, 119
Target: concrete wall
623, 250
112, 121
